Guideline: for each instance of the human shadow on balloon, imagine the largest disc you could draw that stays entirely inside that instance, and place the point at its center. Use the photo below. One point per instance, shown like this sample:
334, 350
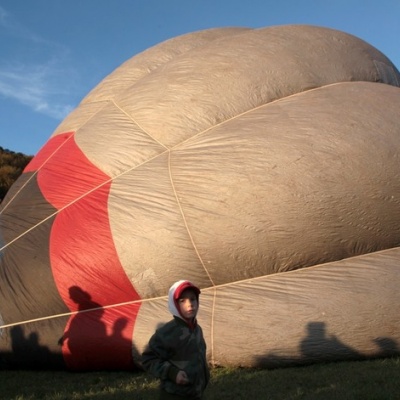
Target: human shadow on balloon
86, 344
318, 346
387, 347
118, 339
28, 353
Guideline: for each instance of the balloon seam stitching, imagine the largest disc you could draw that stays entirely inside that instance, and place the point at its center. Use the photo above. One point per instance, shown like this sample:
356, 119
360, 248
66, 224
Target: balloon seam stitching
195, 249
141, 128
254, 109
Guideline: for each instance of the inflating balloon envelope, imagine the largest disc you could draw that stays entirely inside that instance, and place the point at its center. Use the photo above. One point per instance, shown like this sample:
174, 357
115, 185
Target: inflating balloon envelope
261, 164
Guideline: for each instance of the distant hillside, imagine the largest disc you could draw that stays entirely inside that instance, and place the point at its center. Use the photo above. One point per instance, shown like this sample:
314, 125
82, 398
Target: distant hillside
11, 166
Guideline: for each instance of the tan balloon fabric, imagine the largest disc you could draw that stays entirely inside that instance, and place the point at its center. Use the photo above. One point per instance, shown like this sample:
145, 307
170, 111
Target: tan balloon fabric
206, 84
143, 64
263, 166
270, 191
326, 312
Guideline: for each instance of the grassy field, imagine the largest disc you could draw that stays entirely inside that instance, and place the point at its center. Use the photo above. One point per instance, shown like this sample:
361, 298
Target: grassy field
364, 380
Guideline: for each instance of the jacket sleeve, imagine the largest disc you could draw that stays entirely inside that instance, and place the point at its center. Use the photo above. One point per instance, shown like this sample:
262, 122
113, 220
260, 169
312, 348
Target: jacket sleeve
155, 359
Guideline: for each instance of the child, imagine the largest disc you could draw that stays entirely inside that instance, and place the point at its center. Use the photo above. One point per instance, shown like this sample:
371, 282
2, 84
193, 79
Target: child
176, 353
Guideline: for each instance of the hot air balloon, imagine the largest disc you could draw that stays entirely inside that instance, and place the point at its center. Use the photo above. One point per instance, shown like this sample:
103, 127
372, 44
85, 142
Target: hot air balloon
260, 164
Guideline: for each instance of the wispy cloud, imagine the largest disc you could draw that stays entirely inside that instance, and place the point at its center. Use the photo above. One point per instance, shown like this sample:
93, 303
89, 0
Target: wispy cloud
35, 86
16, 29
3, 15
45, 87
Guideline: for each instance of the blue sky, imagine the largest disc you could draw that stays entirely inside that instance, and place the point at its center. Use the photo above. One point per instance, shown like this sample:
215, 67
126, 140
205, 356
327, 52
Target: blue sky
53, 52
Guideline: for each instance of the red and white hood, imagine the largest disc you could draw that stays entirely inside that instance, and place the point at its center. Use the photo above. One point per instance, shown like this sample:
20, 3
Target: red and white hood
175, 292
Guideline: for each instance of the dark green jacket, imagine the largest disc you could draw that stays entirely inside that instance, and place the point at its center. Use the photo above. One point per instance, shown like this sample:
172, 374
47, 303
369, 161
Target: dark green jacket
173, 347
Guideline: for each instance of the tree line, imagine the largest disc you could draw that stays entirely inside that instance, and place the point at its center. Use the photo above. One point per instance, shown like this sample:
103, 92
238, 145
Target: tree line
12, 165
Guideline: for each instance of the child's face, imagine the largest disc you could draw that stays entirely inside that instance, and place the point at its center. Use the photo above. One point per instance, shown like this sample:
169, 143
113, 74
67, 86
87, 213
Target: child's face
188, 304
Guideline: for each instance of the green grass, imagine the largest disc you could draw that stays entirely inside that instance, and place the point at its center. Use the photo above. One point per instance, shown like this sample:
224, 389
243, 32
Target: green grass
363, 380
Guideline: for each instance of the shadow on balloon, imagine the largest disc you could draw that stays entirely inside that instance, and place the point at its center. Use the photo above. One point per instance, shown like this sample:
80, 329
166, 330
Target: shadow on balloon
87, 343
319, 346
28, 353
93, 338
